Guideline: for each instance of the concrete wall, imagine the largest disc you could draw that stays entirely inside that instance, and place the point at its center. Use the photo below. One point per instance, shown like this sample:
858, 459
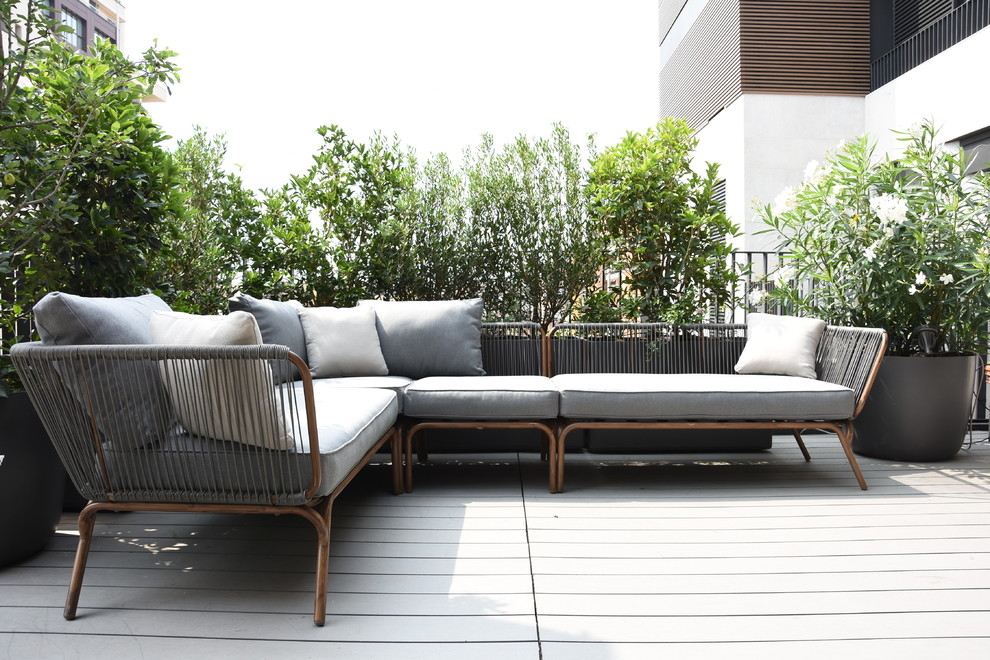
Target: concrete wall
764, 142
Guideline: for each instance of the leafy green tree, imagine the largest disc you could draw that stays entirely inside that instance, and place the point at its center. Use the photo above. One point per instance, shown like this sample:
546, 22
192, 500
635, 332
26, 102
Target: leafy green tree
338, 232
285, 255
667, 231
202, 262
87, 189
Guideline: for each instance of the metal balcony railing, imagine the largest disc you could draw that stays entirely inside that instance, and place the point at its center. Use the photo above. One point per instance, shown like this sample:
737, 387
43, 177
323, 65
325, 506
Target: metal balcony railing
964, 21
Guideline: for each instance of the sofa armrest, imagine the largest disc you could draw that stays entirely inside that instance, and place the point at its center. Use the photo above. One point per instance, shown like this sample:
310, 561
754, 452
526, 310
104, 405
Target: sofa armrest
177, 423
851, 357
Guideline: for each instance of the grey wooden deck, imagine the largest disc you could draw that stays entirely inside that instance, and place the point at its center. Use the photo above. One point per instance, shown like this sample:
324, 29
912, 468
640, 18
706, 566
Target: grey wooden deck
735, 556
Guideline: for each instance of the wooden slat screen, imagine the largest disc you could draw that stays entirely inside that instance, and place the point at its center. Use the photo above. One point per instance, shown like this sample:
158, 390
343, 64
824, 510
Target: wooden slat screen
805, 46
702, 75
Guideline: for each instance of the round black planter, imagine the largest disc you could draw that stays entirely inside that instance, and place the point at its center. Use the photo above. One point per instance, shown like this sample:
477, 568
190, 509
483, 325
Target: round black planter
918, 409
32, 480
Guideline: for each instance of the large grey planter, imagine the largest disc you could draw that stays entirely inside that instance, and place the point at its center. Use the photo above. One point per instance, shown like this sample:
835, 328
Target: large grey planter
32, 480
918, 409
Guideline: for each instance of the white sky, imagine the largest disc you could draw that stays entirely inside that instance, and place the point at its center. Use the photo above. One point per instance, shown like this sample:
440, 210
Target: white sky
439, 73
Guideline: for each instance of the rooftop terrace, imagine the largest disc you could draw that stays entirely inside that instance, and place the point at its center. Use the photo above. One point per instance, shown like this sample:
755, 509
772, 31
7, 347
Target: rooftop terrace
674, 556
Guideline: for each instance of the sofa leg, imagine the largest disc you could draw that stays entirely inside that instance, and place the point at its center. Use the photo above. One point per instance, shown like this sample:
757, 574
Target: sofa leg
407, 477
398, 472
800, 442
321, 521
561, 441
87, 521
845, 432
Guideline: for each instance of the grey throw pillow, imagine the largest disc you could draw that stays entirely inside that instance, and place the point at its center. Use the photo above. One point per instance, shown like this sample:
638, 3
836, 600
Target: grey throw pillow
430, 338
278, 322
64, 319
342, 342
781, 345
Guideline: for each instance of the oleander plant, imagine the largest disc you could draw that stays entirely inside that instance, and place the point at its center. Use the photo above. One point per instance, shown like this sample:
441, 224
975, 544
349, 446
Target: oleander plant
900, 244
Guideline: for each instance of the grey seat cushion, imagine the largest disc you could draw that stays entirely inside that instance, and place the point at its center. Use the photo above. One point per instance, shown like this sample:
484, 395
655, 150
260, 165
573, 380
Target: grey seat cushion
350, 422
482, 398
181, 467
650, 397
396, 384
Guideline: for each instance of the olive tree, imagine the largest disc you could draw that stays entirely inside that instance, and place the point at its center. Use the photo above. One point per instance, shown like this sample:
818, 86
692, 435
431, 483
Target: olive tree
538, 247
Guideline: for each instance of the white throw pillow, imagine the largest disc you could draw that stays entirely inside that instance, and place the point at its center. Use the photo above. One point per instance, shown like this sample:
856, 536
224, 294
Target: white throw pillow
781, 345
212, 397
342, 342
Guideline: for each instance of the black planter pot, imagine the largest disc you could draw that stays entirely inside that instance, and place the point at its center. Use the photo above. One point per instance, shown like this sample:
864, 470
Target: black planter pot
918, 409
32, 480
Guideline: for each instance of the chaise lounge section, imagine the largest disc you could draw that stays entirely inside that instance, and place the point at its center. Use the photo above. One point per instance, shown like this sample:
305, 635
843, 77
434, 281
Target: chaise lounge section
838, 370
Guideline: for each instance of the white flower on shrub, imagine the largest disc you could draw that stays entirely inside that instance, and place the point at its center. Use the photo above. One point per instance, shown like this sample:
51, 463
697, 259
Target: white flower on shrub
784, 274
920, 279
912, 290
813, 172
890, 209
756, 297
870, 254
946, 278
785, 201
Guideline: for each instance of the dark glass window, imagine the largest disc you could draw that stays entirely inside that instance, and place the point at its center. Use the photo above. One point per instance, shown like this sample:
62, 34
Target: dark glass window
76, 38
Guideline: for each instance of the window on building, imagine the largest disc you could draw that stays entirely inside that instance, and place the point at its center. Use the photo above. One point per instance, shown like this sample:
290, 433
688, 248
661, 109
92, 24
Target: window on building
103, 35
977, 148
76, 38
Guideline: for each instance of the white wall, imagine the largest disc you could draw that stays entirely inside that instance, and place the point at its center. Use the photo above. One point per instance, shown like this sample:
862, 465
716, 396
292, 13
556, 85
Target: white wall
764, 142
951, 89
722, 141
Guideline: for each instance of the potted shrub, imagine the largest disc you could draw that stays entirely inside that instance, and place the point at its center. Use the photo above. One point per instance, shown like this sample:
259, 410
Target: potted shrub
898, 244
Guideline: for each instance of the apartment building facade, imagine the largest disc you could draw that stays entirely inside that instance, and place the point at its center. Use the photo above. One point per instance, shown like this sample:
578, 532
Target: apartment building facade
87, 20
770, 85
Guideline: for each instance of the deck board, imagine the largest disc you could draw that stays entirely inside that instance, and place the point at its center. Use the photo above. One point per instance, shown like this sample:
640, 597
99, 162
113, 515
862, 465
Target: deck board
684, 556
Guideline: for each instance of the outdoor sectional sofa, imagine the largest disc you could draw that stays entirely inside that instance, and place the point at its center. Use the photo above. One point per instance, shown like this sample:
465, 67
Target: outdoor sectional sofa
273, 408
